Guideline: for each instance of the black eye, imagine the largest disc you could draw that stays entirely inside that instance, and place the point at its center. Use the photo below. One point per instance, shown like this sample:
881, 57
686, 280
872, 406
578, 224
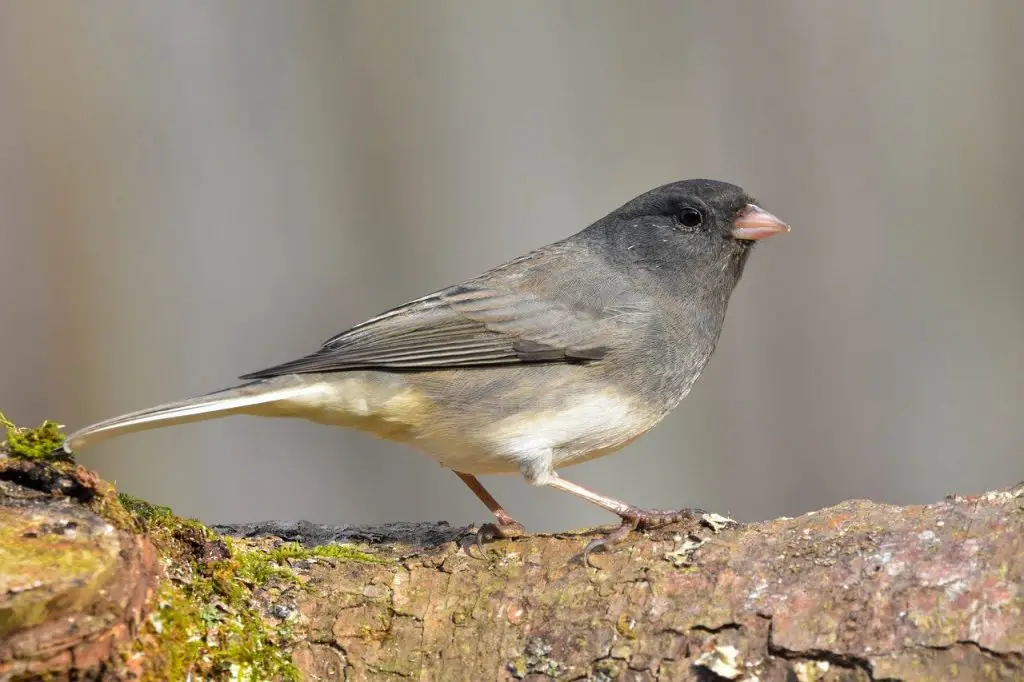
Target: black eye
691, 217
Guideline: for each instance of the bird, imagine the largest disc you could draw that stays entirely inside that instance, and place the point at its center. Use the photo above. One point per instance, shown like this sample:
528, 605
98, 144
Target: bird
559, 356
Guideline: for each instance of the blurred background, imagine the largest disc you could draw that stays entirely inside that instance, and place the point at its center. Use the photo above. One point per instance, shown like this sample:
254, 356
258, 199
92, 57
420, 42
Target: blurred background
190, 191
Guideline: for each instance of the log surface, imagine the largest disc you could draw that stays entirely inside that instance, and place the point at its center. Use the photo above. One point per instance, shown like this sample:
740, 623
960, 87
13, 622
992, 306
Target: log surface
858, 591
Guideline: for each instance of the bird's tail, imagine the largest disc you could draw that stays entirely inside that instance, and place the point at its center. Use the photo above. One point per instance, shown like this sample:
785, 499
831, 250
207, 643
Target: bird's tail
235, 400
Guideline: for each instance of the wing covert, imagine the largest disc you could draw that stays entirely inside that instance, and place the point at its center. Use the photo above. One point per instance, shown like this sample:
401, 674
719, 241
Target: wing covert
463, 326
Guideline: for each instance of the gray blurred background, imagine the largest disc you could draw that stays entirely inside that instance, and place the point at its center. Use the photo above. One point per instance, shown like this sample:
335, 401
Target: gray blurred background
192, 190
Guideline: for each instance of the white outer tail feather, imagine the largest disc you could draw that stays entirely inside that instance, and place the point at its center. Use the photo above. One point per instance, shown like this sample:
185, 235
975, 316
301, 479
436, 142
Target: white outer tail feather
236, 400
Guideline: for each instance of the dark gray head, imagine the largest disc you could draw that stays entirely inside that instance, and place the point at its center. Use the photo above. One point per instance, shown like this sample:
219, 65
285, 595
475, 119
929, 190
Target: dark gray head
702, 228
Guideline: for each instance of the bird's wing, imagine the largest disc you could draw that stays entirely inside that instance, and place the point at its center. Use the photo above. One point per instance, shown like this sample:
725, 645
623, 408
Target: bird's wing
469, 325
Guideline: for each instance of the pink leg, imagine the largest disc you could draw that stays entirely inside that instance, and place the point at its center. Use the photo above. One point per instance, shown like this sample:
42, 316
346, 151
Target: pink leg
633, 518
507, 527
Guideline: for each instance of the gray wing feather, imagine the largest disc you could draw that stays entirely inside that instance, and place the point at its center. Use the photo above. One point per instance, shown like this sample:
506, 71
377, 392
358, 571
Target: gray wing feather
463, 326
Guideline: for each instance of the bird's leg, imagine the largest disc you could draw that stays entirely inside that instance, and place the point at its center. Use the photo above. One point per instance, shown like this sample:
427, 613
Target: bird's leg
633, 518
507, 527
505, 522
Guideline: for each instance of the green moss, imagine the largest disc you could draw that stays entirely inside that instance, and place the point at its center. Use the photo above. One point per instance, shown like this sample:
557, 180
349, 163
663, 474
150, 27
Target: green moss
38, 443
207, 621
259, 567
144, 510
106, 505
37, 454
200, 628
293, 550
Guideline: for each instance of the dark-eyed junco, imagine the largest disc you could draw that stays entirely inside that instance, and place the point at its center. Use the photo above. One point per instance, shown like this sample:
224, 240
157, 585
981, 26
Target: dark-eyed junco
559, 356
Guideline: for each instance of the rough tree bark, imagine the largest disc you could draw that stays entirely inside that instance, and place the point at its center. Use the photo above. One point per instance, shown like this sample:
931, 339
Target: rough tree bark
93, 587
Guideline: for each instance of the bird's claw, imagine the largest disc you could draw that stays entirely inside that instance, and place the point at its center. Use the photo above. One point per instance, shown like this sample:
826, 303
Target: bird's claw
638, 519
496, 531
608, 541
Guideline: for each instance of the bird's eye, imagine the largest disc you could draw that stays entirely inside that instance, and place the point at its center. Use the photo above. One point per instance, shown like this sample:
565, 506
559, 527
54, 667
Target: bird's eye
691, 217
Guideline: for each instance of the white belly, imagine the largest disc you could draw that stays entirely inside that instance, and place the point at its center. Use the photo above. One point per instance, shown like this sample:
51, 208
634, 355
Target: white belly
585, 426
592, 426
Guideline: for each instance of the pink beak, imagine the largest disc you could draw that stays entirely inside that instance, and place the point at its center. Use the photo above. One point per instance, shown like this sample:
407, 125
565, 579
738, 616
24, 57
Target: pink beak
756, 223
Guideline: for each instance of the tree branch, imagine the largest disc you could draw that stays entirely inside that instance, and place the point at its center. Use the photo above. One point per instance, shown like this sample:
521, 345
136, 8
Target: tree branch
859, 591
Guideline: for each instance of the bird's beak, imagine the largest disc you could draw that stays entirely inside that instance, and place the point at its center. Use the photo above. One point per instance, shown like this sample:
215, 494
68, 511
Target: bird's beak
754, 222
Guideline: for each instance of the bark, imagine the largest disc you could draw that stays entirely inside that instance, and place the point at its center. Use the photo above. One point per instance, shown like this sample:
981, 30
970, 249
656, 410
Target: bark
859, 591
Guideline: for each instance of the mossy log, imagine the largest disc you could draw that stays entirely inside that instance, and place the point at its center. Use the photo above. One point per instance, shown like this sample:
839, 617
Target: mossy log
97, 586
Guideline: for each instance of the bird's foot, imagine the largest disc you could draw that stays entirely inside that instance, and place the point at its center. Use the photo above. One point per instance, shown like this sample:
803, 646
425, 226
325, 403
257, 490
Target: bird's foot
639, 519
504, 529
